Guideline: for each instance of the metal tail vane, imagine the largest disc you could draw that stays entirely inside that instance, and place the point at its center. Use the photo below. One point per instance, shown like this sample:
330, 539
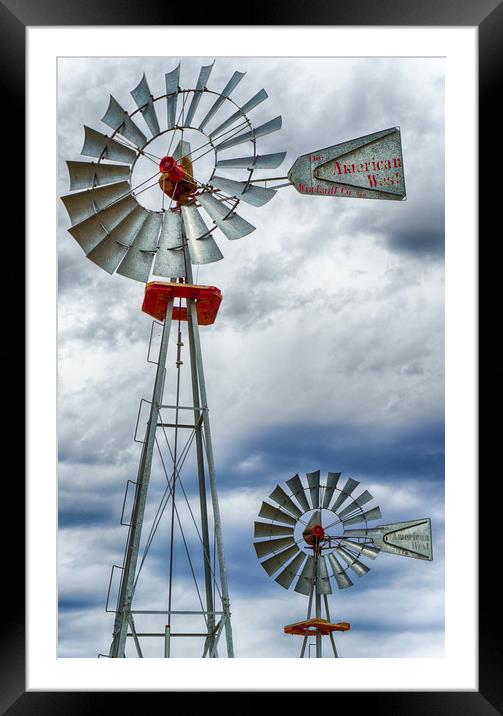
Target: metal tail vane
306, 538
121, 234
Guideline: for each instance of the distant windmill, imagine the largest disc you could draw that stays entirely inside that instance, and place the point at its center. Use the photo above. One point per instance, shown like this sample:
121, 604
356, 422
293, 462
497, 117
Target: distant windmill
310, 538
121, 234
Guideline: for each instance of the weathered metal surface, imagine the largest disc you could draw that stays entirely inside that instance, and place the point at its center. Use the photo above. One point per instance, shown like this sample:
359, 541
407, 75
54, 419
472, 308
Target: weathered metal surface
84, 175
286, 577
118, 119
364, 549
279, 496
265, 529
269, 512
272, 545
358, 567
83, 204
332, 480
97, 144
145, 103
313, 480
253, 102
356, 503
297, 488
254, 195
346, 491
264, 161
109, 253
370, 167
407, 539
204, 73
169, 259
202, 247
373, 514
138, 260
91, 231
231, 84
272, 564
322, 578
341, 578
172, 81
232, 225
272, 126
305, 581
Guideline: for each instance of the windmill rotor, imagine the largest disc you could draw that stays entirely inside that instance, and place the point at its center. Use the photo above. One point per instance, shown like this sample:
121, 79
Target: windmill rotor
109, 218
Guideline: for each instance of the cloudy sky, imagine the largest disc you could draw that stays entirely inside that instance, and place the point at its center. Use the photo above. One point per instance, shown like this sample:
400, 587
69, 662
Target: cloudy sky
327, 354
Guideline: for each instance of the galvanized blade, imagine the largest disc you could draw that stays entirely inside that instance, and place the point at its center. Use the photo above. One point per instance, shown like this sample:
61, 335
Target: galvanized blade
269, 512
138, 260
357, 502
364, 549
119, 120
182, 150
87, 175
272, 126
315, 519
172, 86
272, 564
332, 480
406, 539
230, 224
297, 489
145, 103
279, 496
83, 204
346, 491
261, 161
306, 579
322, 578
255, 195
247, 107
313, 480
231, 84
341, 578
358, 567
272, 545
90, 232
169, 259
99, 145
265, 529
204, 73
286, 577
202, 246
374, 514
109, 253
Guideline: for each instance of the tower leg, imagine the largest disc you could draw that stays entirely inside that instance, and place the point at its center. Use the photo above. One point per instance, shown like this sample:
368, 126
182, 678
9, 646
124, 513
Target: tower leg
318, 611
118, 646
198, 420
191, 307
332, 640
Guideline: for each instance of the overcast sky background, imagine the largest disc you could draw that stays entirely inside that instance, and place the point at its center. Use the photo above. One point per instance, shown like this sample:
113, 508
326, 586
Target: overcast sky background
327, 354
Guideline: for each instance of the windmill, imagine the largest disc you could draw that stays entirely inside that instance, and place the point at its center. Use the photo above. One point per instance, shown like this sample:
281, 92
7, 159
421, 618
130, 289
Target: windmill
121, 233
315, 533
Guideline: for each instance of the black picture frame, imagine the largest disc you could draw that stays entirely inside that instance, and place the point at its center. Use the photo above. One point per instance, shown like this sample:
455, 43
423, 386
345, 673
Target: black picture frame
15, 17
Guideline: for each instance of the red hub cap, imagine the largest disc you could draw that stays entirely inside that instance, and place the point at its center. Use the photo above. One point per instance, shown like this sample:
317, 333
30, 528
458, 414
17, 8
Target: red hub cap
318, 532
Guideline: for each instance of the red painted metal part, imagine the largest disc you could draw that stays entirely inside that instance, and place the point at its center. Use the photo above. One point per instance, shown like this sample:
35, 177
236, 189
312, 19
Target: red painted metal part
158, 293
310, 627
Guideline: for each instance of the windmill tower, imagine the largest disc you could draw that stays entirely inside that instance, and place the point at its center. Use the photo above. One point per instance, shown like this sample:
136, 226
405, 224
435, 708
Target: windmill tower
314, 533
172, 136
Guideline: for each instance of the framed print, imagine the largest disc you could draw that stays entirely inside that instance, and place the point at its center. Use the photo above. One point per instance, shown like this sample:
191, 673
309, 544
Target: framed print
273, 375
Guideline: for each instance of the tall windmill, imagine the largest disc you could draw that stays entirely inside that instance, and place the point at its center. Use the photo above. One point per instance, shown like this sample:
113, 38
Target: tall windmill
314, 532
183, 145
